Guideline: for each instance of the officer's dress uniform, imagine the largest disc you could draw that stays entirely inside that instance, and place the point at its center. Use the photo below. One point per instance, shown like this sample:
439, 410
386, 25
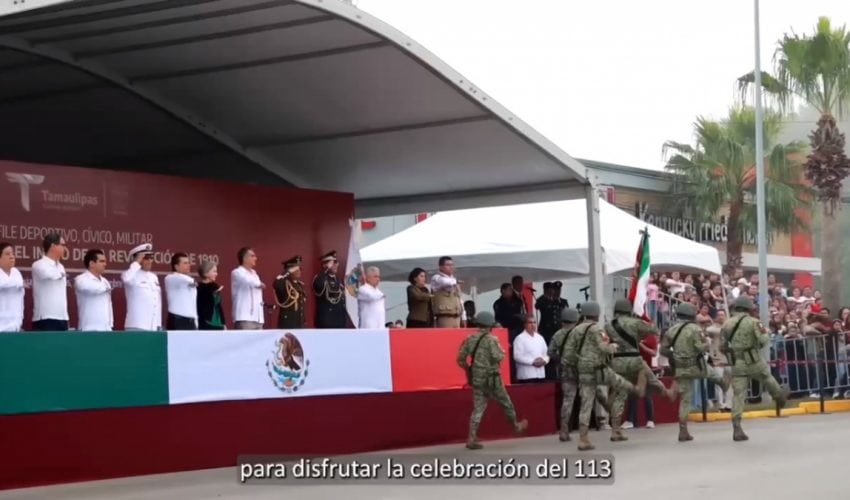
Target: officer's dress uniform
291, 298
330, 298
144, 296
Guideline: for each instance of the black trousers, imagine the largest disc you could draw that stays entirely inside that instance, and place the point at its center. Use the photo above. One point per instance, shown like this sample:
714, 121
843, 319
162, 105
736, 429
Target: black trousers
413, 323
175, 322
50, 325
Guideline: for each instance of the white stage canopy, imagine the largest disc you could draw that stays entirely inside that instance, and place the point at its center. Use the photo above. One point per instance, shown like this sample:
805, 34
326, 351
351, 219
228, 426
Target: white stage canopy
539, 241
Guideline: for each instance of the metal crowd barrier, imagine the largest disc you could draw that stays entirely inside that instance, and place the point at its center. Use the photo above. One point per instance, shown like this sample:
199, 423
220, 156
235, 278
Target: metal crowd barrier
810, 366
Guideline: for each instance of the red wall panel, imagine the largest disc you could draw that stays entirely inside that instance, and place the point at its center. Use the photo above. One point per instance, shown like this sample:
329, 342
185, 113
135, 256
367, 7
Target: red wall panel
116, 211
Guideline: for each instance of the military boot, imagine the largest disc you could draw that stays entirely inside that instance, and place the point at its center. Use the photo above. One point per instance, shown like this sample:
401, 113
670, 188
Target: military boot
737, 431
684, 435
521, 426
583, 440
617, 430
472, 440
564, 436
782, 398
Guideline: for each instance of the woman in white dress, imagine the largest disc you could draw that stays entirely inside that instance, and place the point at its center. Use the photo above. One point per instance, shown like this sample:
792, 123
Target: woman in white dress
11, 291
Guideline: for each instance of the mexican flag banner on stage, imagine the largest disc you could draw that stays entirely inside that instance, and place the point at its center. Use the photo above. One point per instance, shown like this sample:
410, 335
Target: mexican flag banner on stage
640, 277
274, 364
353, 271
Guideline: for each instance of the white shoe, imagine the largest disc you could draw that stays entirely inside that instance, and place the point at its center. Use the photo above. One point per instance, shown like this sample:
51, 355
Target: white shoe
847, 394
606, 427
814, 395
650, 425
628, 425
836, 395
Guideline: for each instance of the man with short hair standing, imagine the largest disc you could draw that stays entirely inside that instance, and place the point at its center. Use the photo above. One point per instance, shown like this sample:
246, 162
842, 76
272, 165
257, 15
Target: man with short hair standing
290, 296
49, 283
144, 295
530, 353
247, 292
94, 294
447, 302
181, 290
371, 301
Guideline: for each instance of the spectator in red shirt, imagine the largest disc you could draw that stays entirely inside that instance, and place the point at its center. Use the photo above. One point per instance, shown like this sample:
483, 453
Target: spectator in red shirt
648, 351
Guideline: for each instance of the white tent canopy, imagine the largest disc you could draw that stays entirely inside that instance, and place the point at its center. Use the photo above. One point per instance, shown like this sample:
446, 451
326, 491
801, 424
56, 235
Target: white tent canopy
538, 241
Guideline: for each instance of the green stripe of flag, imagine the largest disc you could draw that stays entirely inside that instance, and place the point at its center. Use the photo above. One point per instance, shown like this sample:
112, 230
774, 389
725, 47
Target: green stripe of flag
68, 371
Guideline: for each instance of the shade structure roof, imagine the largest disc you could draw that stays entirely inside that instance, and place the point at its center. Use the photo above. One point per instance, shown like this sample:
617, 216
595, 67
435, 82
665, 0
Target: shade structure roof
309, 93
537, 240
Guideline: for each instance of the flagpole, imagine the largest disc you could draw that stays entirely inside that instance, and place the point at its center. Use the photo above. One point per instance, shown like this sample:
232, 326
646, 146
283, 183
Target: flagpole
760, 191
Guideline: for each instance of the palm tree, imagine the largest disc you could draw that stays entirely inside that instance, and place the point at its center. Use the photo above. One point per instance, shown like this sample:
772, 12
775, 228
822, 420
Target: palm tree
815, 69
719, 172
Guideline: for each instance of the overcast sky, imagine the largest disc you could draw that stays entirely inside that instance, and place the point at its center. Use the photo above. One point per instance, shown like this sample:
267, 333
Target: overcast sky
607, 80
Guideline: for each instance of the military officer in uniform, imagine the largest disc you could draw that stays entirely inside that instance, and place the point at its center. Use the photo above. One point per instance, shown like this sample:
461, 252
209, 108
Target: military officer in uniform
743, 337
627, 331
550, 308
479, 356
330, 295
589, 348
142, 291
566, 372
685, 345
290, 296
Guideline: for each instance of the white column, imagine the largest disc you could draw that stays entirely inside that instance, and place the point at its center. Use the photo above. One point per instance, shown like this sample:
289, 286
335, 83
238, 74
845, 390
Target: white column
594, 249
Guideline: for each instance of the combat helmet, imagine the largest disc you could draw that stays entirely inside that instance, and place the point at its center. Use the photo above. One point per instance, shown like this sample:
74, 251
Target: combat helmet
743, 303
590, 308
622, 306
485, 319
569, 315
686, 310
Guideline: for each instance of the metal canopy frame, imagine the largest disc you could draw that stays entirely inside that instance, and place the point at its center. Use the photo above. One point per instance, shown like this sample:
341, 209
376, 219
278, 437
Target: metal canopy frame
308, 93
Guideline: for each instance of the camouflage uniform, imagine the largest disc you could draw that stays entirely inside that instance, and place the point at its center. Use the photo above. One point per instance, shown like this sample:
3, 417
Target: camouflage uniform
588, 348
627, 360
746, 361
567, 373
686, 346
485, 377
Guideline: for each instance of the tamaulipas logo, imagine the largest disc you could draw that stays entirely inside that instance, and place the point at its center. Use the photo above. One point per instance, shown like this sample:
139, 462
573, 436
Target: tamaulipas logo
24, 181
287, 366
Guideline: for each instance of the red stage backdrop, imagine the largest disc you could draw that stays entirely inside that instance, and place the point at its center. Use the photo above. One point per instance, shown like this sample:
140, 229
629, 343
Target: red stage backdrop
209, 220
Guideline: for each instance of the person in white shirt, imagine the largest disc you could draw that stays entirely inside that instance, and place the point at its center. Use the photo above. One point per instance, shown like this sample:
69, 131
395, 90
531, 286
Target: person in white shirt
447, 301
246, 288
181, 290
94, 294
371, 301
144, 295
49, 287
530, 353
11, 291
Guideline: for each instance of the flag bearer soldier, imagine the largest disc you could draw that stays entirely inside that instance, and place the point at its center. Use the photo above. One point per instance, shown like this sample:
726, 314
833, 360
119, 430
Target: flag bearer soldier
627, 331
484, 376
330, 295
685, 346
589, 348
290, 296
